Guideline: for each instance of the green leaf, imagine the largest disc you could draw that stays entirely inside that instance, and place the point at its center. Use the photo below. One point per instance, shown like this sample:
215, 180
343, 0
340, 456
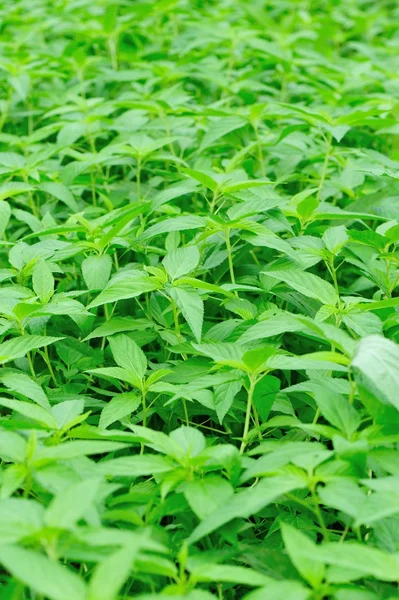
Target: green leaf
314, 361
5, 214
31, 411
181, 261
297, 545
281, 590
230, 574
224, 397
204, 178
307, 284
336, 409
206, 495
12, 447
125, 289
175, 224
43, 281
335, 238
14, 188
128, 355
71, 505
118, 407
247, 503
19, 518
96, 271
221, 127
62, 193
25, 385
20, 346
119, 564
376, 366
135, 466
118, 325
192, 308
75, 449
363, 560
264, 395
44, 576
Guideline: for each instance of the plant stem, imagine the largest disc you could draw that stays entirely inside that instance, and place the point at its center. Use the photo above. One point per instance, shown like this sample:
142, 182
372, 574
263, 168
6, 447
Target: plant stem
144, 421
48, 363
248, 413
325, 166
260, 151
230, 258
31, 367
138, 179
319, 514
113, 52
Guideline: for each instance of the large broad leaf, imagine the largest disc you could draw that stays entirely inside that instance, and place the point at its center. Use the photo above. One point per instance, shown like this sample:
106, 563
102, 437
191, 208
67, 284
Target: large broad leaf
221, 127
336, 409
19, 518
12, 447
119, 407
230, 574
76, 449
128, 355
127, 288
314, 361
224, 397
192, 308
5, 214
118, 325
277, 323
25, 385
222, 353
31, 411
43, 281
281, 590
307, 284
376, 366
207, 495
247, 502
96, 271
135, 466
264, 395
112, 572
14, 188
70, 505
362, 560
298, 453
20, 346
295, 542
61, 192
181, 261
44, 576
176, 224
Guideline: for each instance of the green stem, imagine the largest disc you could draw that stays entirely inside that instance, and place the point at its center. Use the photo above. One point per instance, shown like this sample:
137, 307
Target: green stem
325, 166
106, 315
260, 151
214, 200
113, 52
48, 363
230, 258
248, 413
186, 412
319, 515
138, 179
144, 421
31, 367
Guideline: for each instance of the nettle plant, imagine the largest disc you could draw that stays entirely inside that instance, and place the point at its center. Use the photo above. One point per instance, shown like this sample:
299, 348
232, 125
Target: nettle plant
199, 266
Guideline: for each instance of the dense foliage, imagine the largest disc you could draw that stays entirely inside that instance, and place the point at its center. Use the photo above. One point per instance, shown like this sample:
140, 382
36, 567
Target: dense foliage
199, 228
